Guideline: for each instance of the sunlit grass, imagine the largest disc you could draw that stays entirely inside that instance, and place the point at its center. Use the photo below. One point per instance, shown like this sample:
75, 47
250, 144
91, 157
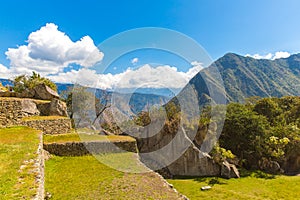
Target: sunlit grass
256, 185
36, 118
17, 144
74, 137
86, 178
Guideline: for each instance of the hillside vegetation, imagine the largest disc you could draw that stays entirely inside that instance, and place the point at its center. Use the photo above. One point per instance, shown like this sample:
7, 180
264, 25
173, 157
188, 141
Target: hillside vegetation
264, 131
245, 77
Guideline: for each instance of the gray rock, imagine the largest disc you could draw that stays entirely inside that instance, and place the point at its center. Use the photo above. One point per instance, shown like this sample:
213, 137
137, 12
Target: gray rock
44, 92
29, 107
175, 152
58, 107
205, 188
28, 93
229, 170
44, 108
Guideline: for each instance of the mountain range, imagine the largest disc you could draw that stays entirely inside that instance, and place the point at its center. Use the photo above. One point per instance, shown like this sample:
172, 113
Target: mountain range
241, 77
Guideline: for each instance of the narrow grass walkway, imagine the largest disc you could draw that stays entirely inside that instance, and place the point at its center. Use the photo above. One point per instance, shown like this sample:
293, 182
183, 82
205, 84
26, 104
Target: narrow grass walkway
18, 145
255, 186
87, 178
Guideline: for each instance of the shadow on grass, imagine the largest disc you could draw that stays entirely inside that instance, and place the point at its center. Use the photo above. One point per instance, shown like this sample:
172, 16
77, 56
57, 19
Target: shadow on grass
256, 174
207, 180
211, 180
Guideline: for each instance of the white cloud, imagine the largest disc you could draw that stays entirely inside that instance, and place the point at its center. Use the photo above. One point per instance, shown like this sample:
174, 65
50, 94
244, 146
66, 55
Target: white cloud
4, 72
49, 51
145, 76
270, 56
134, 60
281, 54
197, 66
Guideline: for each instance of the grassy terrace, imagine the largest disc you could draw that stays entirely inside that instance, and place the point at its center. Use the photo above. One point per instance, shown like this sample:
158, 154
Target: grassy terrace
74, 137
36, 118
87, 178
17, 144
256, 186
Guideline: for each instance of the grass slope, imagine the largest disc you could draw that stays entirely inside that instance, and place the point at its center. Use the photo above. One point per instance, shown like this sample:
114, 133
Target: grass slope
87, 178
256, 186
17, 144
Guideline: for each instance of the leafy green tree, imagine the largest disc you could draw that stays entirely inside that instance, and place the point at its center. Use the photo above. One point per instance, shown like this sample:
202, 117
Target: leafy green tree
268, 108
243, 132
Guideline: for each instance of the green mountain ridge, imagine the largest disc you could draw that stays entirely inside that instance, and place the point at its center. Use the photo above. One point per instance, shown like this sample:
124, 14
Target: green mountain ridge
244, 77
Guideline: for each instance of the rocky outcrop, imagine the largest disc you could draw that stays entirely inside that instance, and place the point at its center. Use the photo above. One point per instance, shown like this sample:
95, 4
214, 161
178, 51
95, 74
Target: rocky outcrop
172, 150
44, 92
229, 170
56, 107
28, 106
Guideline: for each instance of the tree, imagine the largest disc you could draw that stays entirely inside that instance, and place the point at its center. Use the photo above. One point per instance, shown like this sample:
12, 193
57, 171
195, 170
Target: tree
243, 133
25, 82
268, 108
83, 106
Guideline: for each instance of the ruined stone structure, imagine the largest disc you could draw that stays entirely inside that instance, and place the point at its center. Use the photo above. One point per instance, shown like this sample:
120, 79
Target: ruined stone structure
17, 111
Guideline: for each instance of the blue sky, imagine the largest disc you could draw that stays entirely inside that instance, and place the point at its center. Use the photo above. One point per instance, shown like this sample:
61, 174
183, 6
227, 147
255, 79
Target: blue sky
243, 27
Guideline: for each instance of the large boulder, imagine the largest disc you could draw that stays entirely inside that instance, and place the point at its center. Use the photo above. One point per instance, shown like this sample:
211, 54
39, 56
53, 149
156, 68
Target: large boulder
229, 170
172, 150
29, 107
44, 92
58, 107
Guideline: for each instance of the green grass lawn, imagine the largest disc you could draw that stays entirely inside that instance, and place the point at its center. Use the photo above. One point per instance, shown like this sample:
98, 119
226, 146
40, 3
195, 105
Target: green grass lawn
74, 137
254, 186
37, 118
17, 144
87, 178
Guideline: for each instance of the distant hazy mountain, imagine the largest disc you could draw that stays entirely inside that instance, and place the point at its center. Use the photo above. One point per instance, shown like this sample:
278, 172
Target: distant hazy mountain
245, 77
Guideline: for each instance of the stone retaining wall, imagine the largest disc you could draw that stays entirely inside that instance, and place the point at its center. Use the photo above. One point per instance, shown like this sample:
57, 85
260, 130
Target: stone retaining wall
89, 148
40, 168
12, 110
50, 126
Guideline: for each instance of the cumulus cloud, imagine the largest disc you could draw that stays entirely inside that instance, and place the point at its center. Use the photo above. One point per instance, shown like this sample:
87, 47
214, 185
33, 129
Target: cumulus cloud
4, 72
281, 54
143, 77
134, 60
270, 56
49, 51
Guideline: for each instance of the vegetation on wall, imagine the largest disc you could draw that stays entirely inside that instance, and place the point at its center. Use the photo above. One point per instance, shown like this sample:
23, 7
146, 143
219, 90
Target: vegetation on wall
25, 82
